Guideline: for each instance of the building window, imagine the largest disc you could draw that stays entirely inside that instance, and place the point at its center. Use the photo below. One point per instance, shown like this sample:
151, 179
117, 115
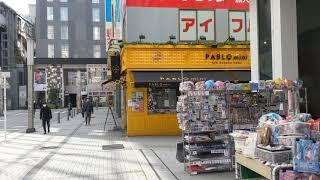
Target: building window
64, 14
96, 33
65, 50
95, 1
49, 0
95, 14
50, 13
64, 32
5, 53
50, 51
165, 98
97, 51
63, 0
50, 33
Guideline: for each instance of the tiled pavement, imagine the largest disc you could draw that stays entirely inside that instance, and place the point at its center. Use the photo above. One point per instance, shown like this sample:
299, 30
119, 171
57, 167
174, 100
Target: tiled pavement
74, 151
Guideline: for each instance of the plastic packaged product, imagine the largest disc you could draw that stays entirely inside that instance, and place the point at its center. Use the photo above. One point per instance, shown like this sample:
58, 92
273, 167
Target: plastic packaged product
269, 120
315, 135
254, 86
293, 128
186, 86
302, 117
219, 85
209, 85
289, 141
200, 86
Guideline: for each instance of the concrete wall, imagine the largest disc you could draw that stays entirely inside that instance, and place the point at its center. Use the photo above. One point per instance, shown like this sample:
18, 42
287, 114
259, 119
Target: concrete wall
80, 27
157, 24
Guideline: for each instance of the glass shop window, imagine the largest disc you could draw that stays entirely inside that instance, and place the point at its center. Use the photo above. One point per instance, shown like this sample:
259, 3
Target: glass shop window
162, 100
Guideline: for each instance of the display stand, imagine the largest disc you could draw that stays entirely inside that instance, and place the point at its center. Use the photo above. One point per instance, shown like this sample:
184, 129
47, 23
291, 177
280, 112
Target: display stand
247, 168
205, 136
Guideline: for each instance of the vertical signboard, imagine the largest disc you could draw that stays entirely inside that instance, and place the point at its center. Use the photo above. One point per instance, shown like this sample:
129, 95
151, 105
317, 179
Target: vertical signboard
237, 25
188, 25
206, 25
40, 81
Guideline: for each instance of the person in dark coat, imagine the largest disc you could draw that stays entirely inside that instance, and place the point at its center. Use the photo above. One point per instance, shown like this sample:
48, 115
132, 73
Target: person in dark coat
45, 116
88, 108
82, 107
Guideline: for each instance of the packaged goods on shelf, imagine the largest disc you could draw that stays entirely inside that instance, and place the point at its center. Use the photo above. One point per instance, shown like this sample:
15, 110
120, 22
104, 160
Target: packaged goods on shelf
292, 175
274, 157
245, 142
307, 156
202, 115
315, 135
293, 128
209, 110
289, 141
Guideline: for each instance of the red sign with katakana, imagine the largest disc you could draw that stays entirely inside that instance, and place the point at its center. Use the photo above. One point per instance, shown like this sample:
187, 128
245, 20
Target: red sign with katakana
197, 4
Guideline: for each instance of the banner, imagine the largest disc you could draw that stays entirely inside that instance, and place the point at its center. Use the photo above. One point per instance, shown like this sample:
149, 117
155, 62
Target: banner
40, 81
196, 4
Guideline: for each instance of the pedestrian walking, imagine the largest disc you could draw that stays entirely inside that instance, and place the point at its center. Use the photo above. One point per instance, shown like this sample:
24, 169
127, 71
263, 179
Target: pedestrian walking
88, 111
69, 108
34, 107
82, 107
45, 116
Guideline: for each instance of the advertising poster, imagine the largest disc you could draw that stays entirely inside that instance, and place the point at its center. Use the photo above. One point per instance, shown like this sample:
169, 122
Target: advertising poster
137, 102
40, 81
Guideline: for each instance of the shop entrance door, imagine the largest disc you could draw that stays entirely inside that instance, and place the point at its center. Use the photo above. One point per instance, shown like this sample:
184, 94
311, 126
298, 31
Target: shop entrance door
73, 100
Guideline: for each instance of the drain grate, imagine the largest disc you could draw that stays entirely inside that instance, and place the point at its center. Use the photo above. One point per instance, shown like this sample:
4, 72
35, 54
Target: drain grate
112, 147
49, 147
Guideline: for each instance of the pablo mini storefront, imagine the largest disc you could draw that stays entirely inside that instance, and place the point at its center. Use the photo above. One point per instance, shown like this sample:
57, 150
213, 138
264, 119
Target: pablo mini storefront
152, 75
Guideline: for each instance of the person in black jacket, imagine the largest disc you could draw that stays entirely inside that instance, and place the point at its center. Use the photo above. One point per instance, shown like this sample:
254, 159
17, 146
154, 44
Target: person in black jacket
88, 109
45, 116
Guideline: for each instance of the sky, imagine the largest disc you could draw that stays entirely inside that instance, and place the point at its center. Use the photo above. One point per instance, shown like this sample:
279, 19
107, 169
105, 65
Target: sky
20, 6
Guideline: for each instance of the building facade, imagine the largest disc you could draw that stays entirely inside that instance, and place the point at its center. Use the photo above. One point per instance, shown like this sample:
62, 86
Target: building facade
70, 50
13, 55
186, 20
284, 38
171, 41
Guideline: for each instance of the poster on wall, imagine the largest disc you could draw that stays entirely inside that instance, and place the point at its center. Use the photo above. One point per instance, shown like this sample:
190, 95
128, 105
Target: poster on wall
137, 102
188, 25
97, 73
206, 25
237, 25
40, 81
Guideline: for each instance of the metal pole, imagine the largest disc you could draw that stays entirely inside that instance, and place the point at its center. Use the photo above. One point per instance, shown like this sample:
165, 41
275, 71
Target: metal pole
30, 55
5, 107
58, 117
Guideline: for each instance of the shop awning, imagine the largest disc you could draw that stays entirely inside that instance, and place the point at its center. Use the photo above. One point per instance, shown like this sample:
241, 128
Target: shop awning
176, 76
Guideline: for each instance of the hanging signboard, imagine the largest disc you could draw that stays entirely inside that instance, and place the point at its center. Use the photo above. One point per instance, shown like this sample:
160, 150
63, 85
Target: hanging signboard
196, 4
206, 25
40, 81
237, 25
188, 25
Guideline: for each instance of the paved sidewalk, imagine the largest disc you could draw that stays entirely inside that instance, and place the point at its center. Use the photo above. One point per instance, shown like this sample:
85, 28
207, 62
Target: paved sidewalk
74, 151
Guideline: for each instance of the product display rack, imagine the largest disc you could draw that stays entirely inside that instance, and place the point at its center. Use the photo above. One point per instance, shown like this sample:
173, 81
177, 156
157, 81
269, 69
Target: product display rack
205, 125
246, 107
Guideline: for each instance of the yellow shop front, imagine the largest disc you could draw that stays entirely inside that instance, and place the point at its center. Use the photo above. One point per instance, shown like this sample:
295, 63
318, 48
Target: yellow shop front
152, 75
